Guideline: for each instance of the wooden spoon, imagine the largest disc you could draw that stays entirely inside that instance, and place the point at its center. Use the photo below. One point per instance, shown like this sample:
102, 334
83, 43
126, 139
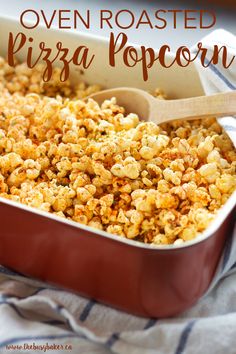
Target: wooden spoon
159, 111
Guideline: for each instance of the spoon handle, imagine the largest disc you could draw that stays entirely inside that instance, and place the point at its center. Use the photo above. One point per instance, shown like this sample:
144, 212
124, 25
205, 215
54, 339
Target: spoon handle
218, 105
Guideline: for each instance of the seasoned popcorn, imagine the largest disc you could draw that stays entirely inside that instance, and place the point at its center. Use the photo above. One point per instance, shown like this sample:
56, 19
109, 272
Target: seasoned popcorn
105, 169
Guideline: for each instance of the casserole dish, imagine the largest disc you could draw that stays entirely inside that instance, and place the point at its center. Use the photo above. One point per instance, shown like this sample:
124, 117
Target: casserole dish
142, 279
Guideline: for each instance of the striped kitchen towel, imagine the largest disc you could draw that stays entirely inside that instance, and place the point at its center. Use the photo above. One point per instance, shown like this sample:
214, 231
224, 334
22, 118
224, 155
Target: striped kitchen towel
36, 318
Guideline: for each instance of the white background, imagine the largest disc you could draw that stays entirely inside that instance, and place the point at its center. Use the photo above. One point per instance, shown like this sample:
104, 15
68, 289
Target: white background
226, 18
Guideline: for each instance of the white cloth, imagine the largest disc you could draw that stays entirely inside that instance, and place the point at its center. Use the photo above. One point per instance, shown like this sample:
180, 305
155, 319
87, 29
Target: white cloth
36, 314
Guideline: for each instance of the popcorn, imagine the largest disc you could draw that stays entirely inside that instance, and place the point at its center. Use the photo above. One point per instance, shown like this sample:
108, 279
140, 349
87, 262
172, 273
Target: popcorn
173, 177
188, 233
147, 153
209, 172
9, 162
117, 170
205, 147
166, 201
102, 168
226, 183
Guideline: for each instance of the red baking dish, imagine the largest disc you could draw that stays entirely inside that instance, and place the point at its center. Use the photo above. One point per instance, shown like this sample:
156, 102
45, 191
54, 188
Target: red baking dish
129, 275
142, 279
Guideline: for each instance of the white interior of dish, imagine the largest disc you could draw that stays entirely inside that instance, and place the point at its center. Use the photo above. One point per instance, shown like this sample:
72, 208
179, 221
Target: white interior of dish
176, 82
